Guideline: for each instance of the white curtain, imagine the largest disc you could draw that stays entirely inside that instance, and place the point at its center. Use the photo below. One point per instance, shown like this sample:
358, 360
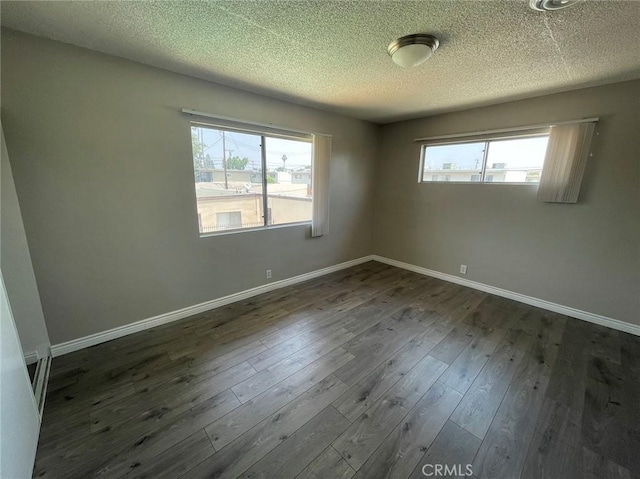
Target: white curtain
564, 163
321, 160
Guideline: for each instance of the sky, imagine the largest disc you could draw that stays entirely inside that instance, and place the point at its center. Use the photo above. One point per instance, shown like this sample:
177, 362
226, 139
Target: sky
246, 145
517, 153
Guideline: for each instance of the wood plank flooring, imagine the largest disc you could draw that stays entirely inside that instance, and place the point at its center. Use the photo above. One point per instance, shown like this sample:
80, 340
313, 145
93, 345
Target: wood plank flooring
371, 372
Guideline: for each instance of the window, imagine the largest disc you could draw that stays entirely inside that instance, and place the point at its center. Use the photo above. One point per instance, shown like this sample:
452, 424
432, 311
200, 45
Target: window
245, 179
516, 160
229, 221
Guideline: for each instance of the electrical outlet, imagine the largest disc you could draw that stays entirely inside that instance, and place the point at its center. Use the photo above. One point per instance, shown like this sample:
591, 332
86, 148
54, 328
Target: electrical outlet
268, 274
463, 269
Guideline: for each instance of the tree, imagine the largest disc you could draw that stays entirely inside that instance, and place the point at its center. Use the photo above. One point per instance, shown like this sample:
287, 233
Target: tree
200, 160
237, 163
197, 146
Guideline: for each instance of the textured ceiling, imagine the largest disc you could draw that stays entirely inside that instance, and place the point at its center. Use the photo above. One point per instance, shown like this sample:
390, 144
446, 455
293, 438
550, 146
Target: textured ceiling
332, 54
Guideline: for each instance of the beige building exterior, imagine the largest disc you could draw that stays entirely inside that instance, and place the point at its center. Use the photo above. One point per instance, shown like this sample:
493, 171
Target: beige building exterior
244, 210
492, 175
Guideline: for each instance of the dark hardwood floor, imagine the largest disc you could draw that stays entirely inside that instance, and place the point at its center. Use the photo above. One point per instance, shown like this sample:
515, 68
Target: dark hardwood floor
370, 372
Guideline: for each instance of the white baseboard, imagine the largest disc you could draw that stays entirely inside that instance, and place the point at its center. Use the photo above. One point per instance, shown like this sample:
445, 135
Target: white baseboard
31, 357
41, 351
540, 303
92, 340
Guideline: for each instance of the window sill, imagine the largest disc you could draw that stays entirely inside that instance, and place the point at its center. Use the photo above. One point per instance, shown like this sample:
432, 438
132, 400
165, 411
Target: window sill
477, 183
258, 228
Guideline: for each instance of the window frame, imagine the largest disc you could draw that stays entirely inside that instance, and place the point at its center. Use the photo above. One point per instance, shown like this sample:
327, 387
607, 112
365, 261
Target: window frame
486, 139
257, 131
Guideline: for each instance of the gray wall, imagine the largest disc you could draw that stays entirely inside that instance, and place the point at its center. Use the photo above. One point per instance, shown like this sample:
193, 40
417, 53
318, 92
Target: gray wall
17, 269
586, 256
101, 158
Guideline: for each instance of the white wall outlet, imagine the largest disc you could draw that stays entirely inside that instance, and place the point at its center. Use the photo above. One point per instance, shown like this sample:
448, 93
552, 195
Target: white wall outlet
463, 269
268, 274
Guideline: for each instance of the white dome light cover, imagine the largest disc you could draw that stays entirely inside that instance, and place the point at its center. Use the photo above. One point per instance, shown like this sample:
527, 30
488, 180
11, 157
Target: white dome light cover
412, 50
551, 5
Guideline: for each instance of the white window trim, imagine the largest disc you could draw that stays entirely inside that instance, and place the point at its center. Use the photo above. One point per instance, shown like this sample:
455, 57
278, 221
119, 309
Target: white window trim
498, 132
479, 137
475, 136
265, 130
259, 127
254, 229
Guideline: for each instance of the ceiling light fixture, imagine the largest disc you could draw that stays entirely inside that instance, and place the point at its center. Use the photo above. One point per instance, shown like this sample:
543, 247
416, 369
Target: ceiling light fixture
412, 50
551, 5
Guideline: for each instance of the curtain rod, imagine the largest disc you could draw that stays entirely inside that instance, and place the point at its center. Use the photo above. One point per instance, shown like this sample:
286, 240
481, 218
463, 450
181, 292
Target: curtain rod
506, 130
189, 111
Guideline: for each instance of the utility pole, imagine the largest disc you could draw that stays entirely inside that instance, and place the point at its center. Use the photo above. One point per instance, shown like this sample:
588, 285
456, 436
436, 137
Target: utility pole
224, 161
